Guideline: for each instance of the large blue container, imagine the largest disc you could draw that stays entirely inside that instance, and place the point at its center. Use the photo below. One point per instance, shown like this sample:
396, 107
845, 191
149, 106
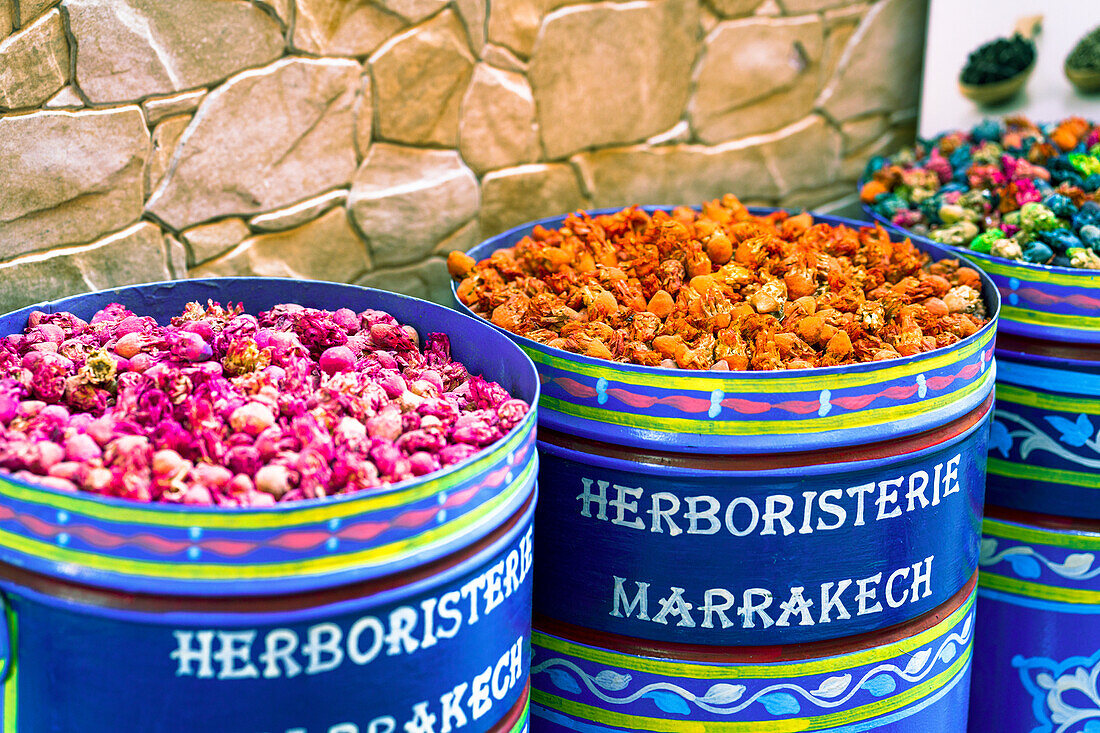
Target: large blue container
732, 509
358, 613
1037, 642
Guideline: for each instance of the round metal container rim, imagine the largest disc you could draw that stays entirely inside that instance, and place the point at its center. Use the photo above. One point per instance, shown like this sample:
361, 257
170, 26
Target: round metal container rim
1076, 272
590, 459
989, 293
451, 567
303, 504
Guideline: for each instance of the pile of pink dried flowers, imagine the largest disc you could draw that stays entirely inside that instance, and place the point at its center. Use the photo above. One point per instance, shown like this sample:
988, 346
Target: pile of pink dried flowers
229, 409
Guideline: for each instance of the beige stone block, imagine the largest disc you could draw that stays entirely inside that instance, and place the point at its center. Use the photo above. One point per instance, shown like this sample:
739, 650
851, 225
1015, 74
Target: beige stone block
130, 49
207, 241
364, 117
177, 257
324, 249
861, 131
610, 74
300, 213
69, 177
67, 98
7, 17
474, 16
413, 11
166, 135
157, 108
281, 8
420, 77
427, 280
343, 27
877, 71
518, 195
233, 161
128, 257
34, 63
676, 174
502, 58
497, 125
734, 8
31, 9
404, 200
756, 75
515, 23
462, 240
804, 155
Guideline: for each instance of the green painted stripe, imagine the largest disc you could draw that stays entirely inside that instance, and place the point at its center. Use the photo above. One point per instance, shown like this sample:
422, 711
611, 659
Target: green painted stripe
1063, 403
1087, 278
1035, 536
765, 385
817, 722
746, 425
219, 571
89, 506
688, 670
1011, 469
1075, 596
522, 722
11, 684
1041, 318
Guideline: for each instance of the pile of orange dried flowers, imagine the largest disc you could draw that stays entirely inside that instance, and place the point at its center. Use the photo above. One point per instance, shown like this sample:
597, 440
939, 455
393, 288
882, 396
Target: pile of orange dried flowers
720, 289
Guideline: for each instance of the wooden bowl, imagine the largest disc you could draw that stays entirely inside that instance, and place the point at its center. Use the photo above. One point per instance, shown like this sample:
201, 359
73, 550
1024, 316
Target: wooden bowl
997, 92
1085, 80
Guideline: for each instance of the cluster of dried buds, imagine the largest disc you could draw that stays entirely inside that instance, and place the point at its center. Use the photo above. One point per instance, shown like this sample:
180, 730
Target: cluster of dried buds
722, 289
230, 409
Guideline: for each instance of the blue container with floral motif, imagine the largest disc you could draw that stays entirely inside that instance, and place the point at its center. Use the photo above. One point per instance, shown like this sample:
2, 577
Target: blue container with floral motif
376, 611
1037, 642
709, 519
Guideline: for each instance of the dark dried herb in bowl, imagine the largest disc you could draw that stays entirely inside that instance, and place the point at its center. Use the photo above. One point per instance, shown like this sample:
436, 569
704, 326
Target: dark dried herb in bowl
998, 60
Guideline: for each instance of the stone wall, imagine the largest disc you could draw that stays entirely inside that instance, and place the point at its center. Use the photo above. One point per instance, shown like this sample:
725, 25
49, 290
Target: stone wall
361, 141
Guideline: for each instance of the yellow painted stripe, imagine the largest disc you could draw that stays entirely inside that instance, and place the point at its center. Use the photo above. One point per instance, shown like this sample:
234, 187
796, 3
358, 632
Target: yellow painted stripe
817, 722
1075, 596
219, 571
11, 685
1035, 536
688, 670
1087, 278
1041, 318
768, 385
747, 425
1011, 469
1065, 403
243, 519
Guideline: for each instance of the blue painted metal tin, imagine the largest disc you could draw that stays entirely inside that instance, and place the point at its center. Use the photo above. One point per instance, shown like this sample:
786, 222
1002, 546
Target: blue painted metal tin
368, 612
757, 412
774, 508
1059, 304
1037, 642
1043, 451
914, 679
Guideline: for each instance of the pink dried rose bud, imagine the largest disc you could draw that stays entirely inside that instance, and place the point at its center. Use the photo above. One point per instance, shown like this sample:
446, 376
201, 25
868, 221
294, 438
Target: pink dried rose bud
227, 409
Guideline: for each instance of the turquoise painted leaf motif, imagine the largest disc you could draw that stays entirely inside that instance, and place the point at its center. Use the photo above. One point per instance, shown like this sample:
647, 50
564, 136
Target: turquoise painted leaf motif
612, 681
917, 661
723, 693
947, 653
779, 703
669, 702
880, 685
1093, 726
563, 680
1024, 566
999, 438
1075, 433
833, 686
